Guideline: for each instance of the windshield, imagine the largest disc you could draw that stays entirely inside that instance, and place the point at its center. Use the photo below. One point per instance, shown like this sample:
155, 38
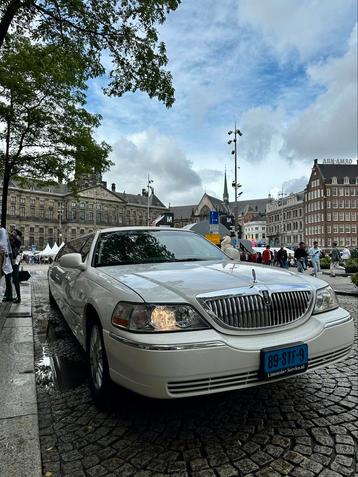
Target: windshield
129, 247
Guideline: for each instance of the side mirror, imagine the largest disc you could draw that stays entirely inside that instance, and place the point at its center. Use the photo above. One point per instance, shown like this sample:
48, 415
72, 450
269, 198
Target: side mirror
72, 260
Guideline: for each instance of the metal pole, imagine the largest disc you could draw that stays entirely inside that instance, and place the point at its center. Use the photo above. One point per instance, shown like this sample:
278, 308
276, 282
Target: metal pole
148, 215
236, 211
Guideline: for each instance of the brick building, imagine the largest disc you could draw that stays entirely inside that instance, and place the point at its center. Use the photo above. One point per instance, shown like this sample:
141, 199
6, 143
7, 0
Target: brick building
331, 203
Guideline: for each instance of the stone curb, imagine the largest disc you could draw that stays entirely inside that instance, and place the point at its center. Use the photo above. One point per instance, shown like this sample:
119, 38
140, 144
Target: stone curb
346, 293
19, 431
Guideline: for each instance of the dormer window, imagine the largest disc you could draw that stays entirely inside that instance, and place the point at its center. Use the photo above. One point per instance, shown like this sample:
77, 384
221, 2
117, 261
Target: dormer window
334, 180
346, 180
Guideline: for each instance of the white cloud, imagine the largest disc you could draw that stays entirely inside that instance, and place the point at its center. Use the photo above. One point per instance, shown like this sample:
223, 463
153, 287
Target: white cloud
328, 127
150, 152
302, 27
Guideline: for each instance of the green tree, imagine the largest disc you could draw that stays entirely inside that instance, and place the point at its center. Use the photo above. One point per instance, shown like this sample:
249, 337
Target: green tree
124, 30
46, 131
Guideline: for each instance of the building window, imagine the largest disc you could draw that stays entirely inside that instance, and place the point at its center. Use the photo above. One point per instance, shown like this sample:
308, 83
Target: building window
22, 211
32, 201
334, 180
12, 210
341, 191
346, 180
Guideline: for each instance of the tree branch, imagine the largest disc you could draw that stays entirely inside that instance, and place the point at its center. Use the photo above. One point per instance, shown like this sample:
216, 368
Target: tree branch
11, 10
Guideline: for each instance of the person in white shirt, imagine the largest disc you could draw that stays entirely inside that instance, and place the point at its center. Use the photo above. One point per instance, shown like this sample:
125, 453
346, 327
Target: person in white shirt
346, 254
315, 255
5, 261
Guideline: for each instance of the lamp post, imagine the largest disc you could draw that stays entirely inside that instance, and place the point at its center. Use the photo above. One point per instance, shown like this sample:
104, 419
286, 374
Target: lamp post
236, 132
149, 188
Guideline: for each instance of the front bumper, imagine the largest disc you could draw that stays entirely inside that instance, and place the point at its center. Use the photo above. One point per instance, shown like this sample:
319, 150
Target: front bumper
184, 364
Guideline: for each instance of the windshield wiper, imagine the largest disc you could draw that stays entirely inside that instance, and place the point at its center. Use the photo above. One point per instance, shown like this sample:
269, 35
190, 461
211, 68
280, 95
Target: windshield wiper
191, 259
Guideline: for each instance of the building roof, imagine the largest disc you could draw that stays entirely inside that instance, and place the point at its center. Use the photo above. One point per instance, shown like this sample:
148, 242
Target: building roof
255, 205
183, 211
140, 199
340, 171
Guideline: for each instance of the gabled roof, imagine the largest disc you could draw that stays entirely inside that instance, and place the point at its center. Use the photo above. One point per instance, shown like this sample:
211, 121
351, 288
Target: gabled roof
340, 171
183, 211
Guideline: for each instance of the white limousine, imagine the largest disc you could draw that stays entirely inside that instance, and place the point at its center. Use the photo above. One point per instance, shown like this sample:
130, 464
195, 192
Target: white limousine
165, 313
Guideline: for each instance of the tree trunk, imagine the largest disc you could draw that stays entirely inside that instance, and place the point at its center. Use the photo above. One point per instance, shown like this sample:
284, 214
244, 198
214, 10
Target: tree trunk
7, 18
5, 188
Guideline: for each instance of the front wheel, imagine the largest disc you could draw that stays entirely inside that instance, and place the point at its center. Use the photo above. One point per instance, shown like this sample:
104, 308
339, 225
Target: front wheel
100, 382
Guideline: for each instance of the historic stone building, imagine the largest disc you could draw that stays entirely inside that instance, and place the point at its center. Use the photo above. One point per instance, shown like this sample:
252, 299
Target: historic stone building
255, 231
331, 203
285, 221
248, 210
53, 214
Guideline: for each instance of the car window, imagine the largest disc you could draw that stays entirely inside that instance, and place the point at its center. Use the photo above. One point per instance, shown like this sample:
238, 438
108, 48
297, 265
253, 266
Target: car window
86, 247
129, 247
81, 245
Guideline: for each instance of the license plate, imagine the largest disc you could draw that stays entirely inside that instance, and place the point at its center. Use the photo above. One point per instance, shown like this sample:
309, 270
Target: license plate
283, 360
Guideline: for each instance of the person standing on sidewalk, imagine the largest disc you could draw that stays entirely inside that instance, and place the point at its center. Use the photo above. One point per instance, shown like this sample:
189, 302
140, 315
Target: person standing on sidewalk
282, 257
300, 256
15, 242
335, 259
267, 256
5, 263
315, 255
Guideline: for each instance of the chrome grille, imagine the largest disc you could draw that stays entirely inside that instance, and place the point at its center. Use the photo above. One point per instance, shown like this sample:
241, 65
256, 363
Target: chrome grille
251, 311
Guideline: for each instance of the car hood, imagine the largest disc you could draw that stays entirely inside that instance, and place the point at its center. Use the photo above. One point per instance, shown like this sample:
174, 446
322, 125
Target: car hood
178, 282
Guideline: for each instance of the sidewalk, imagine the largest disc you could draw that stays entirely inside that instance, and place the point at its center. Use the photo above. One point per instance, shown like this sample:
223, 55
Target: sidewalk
19, 435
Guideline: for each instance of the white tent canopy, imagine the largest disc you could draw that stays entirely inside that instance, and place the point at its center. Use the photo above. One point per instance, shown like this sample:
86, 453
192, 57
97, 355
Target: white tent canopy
54, 250
46, 251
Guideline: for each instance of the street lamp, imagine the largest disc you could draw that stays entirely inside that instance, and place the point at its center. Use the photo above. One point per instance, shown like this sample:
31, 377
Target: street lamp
149, 188
235, 132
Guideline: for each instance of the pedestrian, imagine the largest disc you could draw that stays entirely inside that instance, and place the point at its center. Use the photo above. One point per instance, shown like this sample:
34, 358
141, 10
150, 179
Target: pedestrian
335, 259
5, 263
346, 254
315, 255
227, 247
15, 243
267, 256
300, 256
282, 257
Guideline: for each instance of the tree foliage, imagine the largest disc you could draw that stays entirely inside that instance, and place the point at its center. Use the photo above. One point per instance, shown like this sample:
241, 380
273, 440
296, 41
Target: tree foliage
125, 31
45, 129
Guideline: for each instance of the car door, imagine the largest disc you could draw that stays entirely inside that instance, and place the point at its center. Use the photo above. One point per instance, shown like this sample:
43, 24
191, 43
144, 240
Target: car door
78, 288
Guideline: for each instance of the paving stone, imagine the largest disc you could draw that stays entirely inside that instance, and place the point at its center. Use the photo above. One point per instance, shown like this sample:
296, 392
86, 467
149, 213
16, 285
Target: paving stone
246, 465
226, 471
344, 449
282, 466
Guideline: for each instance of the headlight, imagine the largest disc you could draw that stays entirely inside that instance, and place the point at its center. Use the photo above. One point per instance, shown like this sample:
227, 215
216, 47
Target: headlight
325, 300
153, 318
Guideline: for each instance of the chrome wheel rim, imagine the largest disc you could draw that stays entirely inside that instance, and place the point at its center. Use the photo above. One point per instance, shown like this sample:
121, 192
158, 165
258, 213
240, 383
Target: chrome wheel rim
96, 357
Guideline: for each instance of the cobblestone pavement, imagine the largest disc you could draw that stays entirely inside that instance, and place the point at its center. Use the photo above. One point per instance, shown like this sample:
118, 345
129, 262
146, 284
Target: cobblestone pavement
305, 426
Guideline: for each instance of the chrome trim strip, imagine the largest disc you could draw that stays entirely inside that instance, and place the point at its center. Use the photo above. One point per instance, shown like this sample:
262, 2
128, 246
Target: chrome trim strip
173, 347
340, 321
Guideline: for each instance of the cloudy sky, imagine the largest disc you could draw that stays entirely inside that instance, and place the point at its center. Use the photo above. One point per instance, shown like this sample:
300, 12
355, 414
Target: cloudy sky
285, 70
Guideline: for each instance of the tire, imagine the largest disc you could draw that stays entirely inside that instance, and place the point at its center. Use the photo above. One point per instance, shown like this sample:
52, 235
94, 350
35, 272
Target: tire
52, 301
99, 380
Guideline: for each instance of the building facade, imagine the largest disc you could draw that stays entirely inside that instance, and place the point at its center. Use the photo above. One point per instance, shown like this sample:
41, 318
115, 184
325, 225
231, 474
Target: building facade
54, 214
285, 221
255, 231
331, 204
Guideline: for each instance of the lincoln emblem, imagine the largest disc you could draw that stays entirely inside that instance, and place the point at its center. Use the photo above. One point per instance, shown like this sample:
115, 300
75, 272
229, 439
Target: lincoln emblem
266, 297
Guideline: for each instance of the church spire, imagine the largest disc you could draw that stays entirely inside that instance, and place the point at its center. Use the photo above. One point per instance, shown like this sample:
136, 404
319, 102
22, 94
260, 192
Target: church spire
226, 194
